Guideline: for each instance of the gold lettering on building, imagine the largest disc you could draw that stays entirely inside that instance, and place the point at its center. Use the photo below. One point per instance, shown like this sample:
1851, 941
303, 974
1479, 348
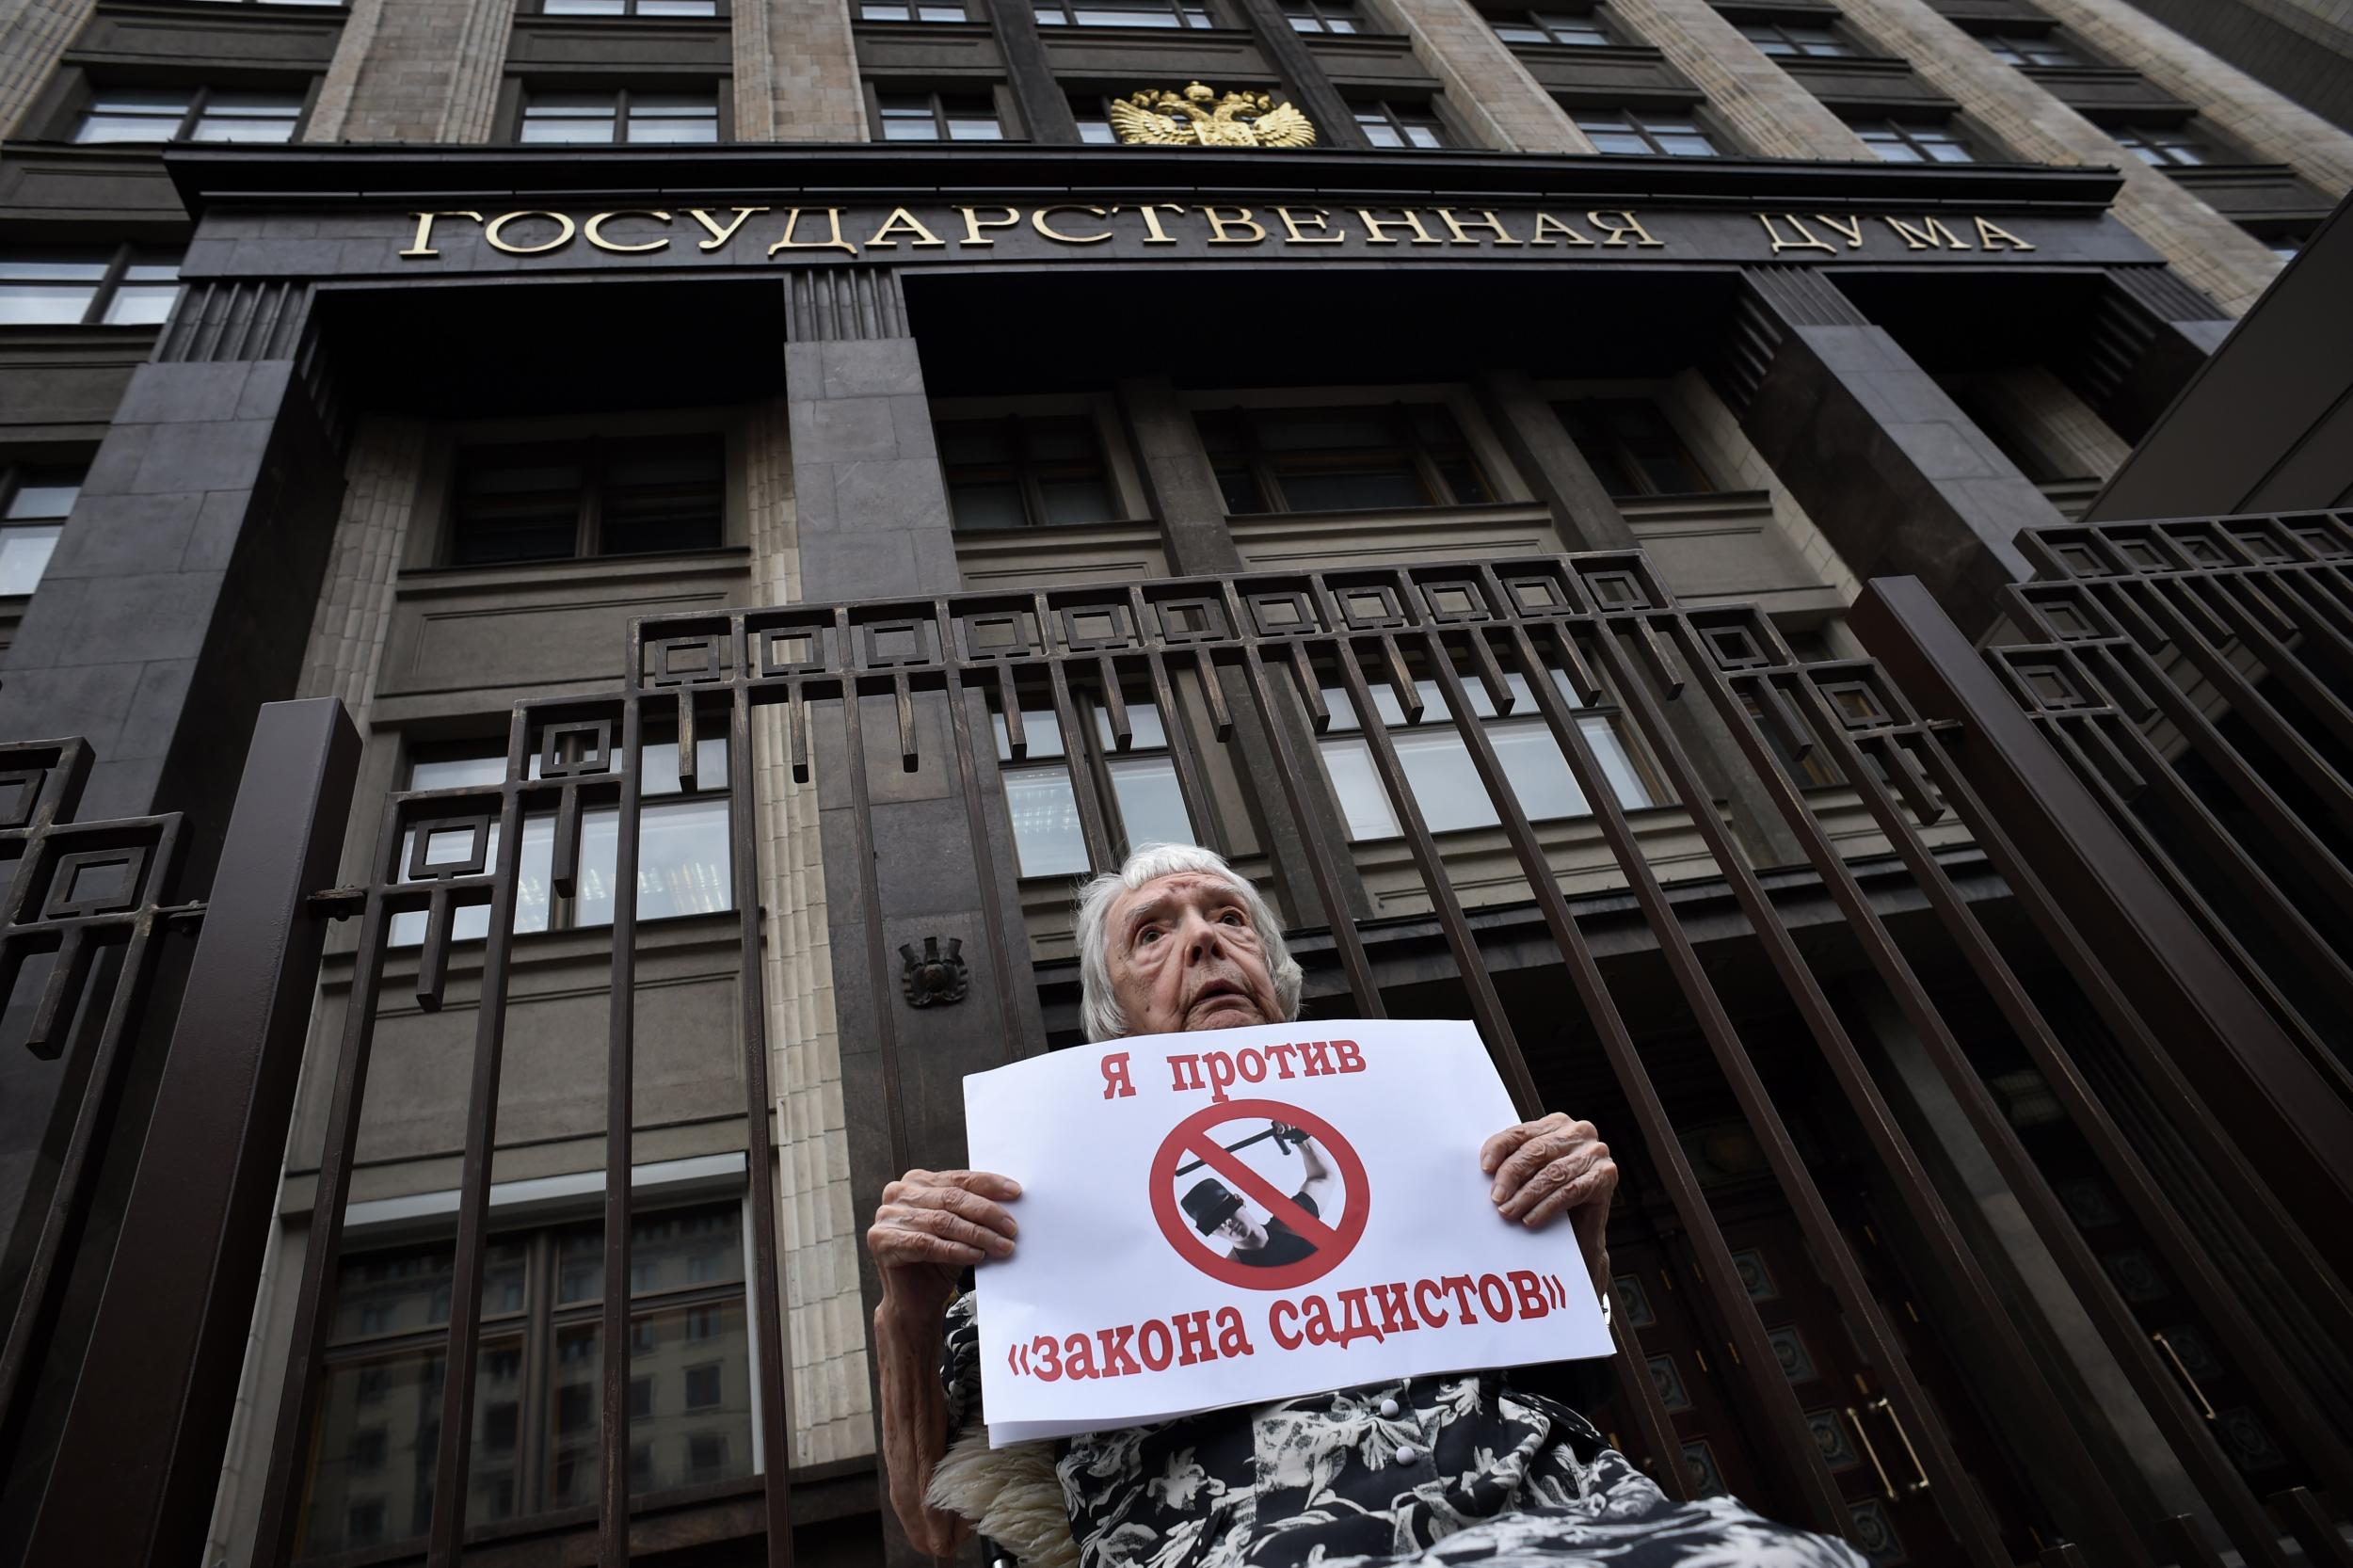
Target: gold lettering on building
1408, 218
565, 229
424, 245
720, 236
1486, 219
901, 221
593, 230
1851, 228
973, 224
1933, 235
1317, 219
1547, 224
1241, 220
833, 229
1154, 233
1620, 224
1037, 221
1989, 232
1807, 239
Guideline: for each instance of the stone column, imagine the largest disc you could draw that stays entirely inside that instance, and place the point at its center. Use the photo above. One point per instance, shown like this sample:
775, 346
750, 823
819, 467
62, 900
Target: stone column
1485, 82
2209, 249
33, 37
1766, 106
1888, 466
2269, 124
797, 73
422, 71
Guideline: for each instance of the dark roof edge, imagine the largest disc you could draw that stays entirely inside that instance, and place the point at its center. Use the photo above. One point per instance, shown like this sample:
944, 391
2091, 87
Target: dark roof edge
213, 174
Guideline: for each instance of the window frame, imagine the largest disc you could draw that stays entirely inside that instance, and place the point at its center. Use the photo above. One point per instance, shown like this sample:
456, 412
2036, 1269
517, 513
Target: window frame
972, 12
1096, 755
1638, 125
1185, 12
522, 88
2134, 136
1264, 465
1794, 49
108, 286
18, 475
1324, 15
722, 12
1905, 130
1629, 461
1008, 126
200, 102
1535, 17
1028, 471
1404, 118
539, 1326
593, 442
2015, 45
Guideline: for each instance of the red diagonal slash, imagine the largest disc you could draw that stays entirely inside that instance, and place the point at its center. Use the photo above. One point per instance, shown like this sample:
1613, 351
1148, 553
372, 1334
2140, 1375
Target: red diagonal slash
1251, 1184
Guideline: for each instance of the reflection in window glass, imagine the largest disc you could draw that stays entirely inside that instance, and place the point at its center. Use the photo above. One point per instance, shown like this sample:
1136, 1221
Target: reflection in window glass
35, 516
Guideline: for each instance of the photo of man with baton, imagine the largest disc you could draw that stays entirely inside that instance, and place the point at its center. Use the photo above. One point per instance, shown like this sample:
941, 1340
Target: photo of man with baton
1216, 1208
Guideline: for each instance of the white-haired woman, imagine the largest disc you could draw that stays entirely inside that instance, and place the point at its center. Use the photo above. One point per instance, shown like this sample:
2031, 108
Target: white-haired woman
1422, 1471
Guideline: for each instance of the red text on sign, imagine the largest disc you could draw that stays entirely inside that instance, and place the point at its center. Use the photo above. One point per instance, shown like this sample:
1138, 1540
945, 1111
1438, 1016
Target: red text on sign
1253, 1065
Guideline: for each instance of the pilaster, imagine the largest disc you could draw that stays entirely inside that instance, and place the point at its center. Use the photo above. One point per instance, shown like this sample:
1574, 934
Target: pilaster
1765, 106
414, 70
355, 608
2207, 248
797, 73
1485, 82
2272, 126
33, 36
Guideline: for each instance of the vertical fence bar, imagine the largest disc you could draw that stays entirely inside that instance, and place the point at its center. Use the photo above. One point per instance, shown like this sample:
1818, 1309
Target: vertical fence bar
620, 1128
445, 1541
139, 1460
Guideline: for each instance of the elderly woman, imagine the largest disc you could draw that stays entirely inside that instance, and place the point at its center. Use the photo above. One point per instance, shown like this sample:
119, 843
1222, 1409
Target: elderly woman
1422, 1471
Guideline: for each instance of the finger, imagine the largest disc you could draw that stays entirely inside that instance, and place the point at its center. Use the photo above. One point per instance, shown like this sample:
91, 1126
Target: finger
895, 1247
987, 1183
1550, 1177
939, 1222
1537, 1153
1591, 1189
1493, 1151
961, 1200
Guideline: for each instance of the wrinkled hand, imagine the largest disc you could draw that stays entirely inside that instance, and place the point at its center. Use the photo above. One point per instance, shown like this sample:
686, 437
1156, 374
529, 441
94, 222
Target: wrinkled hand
931, 1225
1551, 1166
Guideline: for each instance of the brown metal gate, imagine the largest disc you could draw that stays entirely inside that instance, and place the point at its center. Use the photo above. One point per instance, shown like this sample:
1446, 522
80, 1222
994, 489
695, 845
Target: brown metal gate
1986, 870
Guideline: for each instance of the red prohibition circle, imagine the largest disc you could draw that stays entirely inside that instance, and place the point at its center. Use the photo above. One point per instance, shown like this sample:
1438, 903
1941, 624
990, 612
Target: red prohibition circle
1191, 1137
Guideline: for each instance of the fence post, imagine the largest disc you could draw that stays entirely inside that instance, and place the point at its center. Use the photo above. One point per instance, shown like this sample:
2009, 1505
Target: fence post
2294, 1127
140, 1459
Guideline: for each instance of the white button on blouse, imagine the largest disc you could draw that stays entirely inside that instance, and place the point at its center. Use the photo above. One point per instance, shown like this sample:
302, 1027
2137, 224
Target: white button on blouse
1388, 1409
1407, 1453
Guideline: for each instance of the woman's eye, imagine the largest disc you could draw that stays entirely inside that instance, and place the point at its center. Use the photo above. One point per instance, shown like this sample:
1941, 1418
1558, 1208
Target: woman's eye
1233, 916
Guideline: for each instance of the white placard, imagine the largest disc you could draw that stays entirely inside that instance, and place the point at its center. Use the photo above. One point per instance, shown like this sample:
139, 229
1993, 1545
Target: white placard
1118, 1307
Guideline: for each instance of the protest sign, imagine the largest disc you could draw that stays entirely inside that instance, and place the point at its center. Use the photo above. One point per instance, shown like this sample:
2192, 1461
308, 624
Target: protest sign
1243, 1215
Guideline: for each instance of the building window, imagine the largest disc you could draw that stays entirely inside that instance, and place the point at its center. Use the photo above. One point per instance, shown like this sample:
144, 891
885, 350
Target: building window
2177, 146
684, 859
1142, 800
939, 117
1122, 13
2286, 244
1915, 141
1322, 16
1386, 123
912, 11
1093, 114
333, 3
37, 500
1577, 29
537, 1393
1439, 770
1797, 39
1647, 134
628, 8
125, 287
2029, 49
1631, 448
614, 495
1024, 471
630, 115
190, 114
1366, 457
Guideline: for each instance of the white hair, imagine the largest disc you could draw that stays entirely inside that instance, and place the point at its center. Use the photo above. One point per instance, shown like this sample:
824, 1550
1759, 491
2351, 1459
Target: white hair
1099, 1005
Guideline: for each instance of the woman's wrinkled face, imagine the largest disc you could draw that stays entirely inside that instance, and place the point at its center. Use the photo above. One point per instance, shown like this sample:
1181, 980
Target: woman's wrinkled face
1183, 955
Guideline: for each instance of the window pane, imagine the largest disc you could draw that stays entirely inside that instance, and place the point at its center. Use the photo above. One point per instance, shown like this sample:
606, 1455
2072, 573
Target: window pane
583, 7
1076, 500
43, 497
682, 862
1393, 483
1151, 805
1357, 786
1048, 840
1144, 731
678, 7
974, 128
1617, 766
25, 554
697, 1362
672, 117
670, 1250
664, 493
371, 1475
44, 304
986, 506
1041, 729
575, 1403
471, 923
141, 305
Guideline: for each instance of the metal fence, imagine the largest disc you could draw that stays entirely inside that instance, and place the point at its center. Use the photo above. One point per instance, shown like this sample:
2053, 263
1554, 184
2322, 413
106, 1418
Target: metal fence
1247, 679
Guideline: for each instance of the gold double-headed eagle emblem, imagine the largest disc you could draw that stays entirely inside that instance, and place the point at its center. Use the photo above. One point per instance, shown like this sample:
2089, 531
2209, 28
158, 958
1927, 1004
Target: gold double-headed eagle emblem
1197, 117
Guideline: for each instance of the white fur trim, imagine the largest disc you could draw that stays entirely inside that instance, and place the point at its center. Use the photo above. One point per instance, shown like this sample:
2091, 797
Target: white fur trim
1010, 1494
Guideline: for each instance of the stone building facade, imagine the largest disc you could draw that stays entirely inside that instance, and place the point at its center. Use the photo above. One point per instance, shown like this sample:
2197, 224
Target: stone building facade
404, 351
